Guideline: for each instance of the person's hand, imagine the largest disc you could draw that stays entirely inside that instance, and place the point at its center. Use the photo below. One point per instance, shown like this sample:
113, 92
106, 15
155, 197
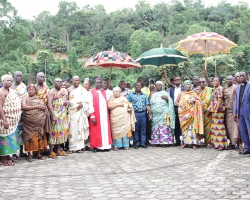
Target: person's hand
207, 113
5, 124
235, 117
79, 106
40, 107
93, 121
150, 116
164, 97
129, 110
205, 73
66, 103
54, 119
215, 114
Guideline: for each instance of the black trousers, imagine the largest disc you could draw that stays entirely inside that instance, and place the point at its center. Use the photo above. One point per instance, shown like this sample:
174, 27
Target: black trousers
177, 131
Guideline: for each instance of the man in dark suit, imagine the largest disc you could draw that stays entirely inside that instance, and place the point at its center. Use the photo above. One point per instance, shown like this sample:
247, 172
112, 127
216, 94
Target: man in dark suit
174, 92
241, 107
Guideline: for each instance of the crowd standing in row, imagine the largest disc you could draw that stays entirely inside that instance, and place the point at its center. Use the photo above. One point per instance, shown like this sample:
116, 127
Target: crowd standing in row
76, 118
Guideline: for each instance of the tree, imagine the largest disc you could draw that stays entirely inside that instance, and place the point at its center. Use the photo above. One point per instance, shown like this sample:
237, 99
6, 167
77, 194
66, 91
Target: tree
73, 63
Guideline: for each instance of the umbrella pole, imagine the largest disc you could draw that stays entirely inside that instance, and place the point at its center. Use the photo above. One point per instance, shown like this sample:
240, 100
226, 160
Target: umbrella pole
205, 62
205, 54
110, 75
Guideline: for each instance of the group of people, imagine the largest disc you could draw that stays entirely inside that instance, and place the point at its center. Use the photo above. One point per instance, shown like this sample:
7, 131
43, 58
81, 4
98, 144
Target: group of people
73, 118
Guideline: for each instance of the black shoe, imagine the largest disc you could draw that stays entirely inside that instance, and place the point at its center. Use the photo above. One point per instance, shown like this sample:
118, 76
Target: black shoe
136, 147
144, 146
244, 152
94, 150
177, 144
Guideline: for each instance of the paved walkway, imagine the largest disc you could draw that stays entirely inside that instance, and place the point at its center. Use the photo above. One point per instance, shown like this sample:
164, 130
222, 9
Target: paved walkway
153, 173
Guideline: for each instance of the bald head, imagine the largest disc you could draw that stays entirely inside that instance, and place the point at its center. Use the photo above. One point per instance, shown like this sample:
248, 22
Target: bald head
76, 81
75, 77
237, 78
229, 80
58, 83
18, 77
40, 78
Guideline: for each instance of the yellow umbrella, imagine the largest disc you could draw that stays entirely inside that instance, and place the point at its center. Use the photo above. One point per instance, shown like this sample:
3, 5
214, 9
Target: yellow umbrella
207, 43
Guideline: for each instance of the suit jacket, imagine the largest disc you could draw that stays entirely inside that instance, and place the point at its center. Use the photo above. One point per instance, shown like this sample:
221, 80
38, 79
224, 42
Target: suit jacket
245, 100
172, 89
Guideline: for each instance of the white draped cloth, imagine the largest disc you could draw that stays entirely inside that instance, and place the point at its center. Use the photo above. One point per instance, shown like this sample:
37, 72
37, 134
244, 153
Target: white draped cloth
103, 119
109, 94
79, 125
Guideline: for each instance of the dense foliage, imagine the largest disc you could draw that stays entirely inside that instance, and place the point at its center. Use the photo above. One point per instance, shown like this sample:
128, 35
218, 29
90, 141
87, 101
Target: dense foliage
81, 32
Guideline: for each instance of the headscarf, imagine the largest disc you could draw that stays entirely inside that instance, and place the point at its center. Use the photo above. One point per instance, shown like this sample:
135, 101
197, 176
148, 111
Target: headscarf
160, 82
187, 82
67, 79
98, 79
6, 76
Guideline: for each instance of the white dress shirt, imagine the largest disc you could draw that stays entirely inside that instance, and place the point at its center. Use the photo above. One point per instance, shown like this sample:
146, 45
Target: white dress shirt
177, 91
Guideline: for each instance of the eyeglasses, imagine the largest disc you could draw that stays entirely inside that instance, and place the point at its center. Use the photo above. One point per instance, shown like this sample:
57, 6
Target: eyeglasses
201, 81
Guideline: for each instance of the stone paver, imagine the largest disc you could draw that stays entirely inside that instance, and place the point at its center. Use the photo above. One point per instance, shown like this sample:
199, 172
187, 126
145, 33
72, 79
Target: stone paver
153, 173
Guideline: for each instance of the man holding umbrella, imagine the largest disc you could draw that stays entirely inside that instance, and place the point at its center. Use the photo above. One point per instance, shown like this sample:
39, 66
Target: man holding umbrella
174, 92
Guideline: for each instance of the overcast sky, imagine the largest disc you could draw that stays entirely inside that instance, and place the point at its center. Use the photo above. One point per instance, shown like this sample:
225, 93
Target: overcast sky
29, 8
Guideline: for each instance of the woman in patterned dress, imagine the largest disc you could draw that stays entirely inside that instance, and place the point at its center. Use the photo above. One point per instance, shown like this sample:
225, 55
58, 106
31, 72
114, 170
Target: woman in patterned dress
122, 119
217, 108
191, 116
163, 121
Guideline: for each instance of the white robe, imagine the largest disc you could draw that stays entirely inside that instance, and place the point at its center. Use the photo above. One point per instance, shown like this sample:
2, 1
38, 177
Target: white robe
79, 125
109, 94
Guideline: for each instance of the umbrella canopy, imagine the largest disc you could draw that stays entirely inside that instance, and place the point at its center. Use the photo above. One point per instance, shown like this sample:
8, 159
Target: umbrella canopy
162, 57
110, 59
207, 43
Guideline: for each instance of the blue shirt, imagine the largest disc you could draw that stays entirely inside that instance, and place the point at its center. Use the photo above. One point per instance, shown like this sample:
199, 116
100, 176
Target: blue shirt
139, 101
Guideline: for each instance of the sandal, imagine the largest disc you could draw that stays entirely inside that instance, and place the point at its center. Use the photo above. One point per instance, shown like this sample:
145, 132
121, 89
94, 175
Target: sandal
52, 155
69, 152
8, 163
126, 148
183, 146
87, 148
194, 147
30, 160
62, 154
15, 158
209, 146
79, 151
41, 158
115, 149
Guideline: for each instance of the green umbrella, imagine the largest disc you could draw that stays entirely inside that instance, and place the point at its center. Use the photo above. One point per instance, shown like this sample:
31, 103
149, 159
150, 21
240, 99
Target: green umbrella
162, 57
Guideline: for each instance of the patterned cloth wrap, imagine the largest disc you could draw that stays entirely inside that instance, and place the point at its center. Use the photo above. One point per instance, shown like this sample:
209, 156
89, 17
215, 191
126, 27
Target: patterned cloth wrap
122, 122
12, 111
190, 113
206, 96
163, 121
60, 128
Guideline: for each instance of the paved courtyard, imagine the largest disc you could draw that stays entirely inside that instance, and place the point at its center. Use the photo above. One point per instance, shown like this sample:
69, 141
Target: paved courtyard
153, 173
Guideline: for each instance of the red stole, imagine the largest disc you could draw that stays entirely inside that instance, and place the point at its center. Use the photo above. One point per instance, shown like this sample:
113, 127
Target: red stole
95, 129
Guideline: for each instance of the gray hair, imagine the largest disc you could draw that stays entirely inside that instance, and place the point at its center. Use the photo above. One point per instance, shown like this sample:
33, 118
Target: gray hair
117, 89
